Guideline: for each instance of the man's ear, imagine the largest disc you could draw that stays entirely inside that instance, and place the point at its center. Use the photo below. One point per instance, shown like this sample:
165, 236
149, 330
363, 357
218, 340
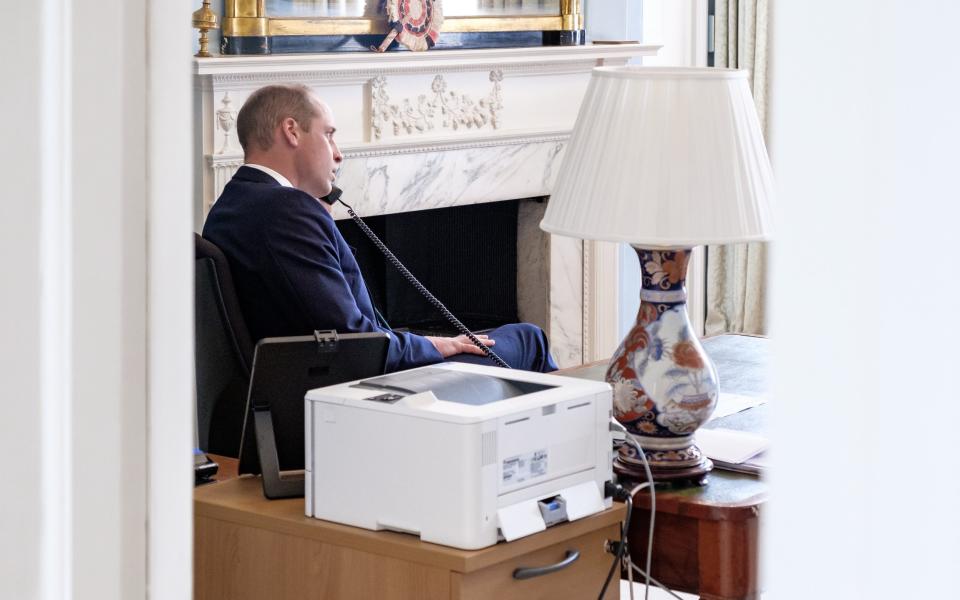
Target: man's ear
290, 132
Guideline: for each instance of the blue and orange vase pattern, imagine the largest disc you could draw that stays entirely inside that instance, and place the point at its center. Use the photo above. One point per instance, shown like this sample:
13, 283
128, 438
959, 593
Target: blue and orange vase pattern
664, 384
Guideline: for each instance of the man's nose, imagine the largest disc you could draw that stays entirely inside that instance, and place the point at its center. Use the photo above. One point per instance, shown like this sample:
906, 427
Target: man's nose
337, 155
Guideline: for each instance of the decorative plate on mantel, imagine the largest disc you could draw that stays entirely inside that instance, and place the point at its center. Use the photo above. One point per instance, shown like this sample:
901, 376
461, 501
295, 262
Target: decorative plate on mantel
414, 23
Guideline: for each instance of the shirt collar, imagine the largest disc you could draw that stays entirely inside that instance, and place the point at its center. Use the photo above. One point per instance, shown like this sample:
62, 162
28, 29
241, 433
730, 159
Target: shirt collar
277, 176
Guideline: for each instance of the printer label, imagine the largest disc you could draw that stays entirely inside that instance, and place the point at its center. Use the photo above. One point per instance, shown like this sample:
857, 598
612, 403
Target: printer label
524, 466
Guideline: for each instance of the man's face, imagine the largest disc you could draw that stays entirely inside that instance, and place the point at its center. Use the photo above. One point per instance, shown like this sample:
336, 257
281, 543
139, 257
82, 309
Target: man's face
318, 157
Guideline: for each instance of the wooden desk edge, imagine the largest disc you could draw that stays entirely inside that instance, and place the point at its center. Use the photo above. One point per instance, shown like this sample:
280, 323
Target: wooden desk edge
219, 501
715, 511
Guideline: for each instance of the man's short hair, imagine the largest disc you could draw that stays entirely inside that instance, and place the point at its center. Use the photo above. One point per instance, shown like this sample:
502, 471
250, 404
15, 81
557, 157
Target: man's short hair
267, 107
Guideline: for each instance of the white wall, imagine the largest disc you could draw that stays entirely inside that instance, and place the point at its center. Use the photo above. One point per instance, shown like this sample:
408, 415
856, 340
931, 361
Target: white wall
864, 129
614, 19
171, 411
96, 304
25, 402
681, 26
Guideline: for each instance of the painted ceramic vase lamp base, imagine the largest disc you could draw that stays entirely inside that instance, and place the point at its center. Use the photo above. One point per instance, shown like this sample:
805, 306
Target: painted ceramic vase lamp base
664, 384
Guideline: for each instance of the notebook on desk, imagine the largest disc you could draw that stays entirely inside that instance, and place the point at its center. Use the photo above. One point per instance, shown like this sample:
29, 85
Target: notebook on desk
734, 438
733, 450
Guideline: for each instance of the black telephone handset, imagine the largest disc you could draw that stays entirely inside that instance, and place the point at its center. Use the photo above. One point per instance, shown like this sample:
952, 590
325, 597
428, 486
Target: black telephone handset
333, 198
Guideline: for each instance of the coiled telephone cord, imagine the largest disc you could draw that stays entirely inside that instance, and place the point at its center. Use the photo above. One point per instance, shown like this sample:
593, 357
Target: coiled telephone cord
426, 293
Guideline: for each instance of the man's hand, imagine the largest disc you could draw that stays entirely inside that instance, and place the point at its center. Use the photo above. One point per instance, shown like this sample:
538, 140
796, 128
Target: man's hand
458, 345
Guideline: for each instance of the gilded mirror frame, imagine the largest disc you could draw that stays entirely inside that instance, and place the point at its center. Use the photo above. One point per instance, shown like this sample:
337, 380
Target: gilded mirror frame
248, 29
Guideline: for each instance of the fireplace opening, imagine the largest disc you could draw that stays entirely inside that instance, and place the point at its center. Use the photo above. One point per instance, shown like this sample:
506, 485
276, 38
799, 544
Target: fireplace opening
465, 255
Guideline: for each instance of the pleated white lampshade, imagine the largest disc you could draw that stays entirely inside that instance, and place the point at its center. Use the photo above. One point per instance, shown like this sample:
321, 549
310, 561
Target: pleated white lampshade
664, 157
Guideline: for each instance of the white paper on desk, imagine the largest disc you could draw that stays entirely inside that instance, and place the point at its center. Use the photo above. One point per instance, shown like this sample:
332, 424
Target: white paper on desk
730, 446
728, 404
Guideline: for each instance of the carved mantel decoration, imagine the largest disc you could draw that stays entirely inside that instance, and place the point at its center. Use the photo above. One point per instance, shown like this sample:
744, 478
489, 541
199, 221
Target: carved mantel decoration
450, 108
425, 130
204, 19
226, 119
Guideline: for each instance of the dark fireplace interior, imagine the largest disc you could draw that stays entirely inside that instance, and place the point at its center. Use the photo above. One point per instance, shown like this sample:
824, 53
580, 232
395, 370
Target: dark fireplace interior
466, 256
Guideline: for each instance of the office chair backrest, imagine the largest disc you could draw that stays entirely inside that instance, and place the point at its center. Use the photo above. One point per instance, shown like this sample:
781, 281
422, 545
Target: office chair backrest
224, 352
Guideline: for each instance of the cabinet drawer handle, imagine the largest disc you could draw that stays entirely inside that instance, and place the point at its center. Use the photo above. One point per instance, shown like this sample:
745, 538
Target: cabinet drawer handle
531, 572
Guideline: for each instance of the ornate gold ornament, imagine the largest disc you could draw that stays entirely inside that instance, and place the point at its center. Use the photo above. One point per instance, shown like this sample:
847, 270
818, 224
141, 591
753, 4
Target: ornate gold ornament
204, 19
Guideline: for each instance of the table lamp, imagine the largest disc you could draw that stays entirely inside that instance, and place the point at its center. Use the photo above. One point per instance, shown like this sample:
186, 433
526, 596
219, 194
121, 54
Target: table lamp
664, 159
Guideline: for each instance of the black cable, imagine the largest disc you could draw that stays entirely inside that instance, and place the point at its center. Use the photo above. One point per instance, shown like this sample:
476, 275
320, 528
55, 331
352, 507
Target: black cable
616, 490
426, 293
624, 530
380, 317
660, 585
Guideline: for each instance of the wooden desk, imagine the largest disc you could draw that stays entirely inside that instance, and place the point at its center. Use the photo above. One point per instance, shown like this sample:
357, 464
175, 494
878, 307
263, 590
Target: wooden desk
706, 539
246, 546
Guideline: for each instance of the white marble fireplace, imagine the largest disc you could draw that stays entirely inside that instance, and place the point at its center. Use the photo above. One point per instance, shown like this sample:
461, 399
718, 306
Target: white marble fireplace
442, 129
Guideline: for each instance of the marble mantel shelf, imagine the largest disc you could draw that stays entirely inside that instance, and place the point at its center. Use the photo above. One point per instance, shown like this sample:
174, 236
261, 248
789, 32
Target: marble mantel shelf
511, 102
436, 61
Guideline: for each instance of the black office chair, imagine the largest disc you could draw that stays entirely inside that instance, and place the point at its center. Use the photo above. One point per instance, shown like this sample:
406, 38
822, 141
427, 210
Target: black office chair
224, 353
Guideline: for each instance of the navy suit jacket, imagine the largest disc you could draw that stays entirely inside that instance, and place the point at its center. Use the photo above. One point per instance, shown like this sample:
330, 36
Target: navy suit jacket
293, 271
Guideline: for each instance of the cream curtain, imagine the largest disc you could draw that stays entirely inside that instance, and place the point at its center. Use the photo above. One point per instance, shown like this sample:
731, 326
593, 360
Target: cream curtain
737, 274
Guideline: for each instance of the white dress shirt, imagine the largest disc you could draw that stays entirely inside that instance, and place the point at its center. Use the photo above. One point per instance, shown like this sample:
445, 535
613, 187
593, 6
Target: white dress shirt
280, 178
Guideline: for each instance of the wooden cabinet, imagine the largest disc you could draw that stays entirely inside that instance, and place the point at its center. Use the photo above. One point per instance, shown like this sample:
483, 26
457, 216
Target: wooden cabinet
250, 547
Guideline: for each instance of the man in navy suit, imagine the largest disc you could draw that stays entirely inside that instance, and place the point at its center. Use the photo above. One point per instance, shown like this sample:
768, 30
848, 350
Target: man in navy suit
293, 270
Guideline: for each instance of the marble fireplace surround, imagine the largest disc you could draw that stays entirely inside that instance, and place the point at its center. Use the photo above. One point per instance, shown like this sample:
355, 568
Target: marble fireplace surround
440, 129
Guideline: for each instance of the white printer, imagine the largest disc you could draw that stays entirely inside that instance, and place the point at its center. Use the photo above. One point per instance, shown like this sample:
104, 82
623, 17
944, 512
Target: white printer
458, 454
